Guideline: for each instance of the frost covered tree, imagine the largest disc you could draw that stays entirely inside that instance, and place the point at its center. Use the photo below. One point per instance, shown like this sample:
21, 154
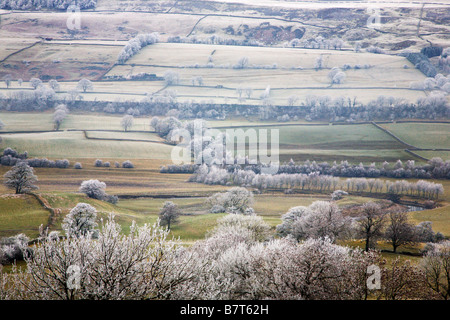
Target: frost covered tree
169, 214
319, 220
235, 200
260, 231
54, 84
127, 122
171, 78
318, 65
81, 221
94, 189
35, 82
59, 115
21, 178
85, 85
142, 264
242, 63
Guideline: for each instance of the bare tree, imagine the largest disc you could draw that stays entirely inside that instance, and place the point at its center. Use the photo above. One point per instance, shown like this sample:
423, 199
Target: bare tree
399, 232
370, 223
436, 265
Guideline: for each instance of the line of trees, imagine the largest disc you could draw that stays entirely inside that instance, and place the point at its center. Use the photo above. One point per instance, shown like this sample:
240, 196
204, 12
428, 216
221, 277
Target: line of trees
237, 260
135, 44
315, 181
322, 108
371, 222
436, 168
11, 157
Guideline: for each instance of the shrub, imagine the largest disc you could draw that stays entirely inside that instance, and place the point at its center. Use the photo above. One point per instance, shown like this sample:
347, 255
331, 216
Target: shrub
98, 163
78, 166
11, 248
127, 164
217, 208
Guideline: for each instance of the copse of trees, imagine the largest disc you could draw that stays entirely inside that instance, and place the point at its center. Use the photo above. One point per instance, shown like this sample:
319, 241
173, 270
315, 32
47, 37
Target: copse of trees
135, 44
422, 63
235, 200
321, 219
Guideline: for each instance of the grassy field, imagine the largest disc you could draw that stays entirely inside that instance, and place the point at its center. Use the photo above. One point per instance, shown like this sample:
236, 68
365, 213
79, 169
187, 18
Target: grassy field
61, 61
355, 143
21, 214
42, 121
422, 135
75, 145
287, 71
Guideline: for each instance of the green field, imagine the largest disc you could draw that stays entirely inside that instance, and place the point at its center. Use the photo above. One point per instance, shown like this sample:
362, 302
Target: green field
422, 135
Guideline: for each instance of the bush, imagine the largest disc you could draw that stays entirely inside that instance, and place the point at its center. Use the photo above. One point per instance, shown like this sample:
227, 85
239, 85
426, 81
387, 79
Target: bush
217, 209
98, 163
78, 166
11, 248
127, 164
